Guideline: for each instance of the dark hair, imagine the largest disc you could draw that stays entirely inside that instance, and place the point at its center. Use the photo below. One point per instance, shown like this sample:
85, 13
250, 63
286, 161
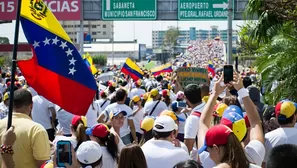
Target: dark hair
111, 89
247, 81
147, 135
234, 153
188, 164
111, 146
120, 95
282, 120
80, 133
193, 93
132, 157
22, 98
282, 156
167, 100
231, 100
204, 90
158, 135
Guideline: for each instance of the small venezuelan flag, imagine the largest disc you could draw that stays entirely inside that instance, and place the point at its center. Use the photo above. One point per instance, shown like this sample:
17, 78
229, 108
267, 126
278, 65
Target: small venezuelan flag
132, 69
162, 69
89, 62
211, 69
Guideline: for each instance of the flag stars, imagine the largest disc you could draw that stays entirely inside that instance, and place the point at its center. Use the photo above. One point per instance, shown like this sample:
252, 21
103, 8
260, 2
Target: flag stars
71, 71
69, 52
36, 44
72, 61
46, 41
63, 45
55, 41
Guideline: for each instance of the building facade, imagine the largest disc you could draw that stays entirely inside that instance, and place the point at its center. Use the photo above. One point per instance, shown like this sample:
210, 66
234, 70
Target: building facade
92, 29
193, 34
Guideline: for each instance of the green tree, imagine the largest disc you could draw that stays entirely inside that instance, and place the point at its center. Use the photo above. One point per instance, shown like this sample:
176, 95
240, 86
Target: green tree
100, 60
4, 40
171, 36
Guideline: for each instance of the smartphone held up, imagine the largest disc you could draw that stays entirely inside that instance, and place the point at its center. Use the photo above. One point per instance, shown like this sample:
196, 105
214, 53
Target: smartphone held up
64, 154
228, 73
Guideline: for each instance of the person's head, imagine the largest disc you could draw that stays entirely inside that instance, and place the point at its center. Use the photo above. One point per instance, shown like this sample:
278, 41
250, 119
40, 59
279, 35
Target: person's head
117, 117
132, 157
78, 128
121, 95
282, 156
224, 147
155, 94
111, 86
89, 154
137, 83
22, 101
219, 109
254, 93
285, 112
236, 123
193, 95
231, 100
269, 120
180, 96
175, 108
188, 164
166, 96
164, 128
135, 101
6, 98
101, 134
204, 90
146, 125
247, 82
103, 95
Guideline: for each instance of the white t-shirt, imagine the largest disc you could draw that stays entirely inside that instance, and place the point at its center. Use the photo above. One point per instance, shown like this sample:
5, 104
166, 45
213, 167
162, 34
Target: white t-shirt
278, 137
64, 119
92, 114
125, 130
107, 160
40, 111
136, 92
148, 107
254, 151
101, 101
162, 153
181, 126
138, 117
192, 127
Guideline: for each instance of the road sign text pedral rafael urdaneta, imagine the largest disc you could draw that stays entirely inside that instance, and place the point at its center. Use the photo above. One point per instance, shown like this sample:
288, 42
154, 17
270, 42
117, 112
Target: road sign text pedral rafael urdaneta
203, 9
129, 9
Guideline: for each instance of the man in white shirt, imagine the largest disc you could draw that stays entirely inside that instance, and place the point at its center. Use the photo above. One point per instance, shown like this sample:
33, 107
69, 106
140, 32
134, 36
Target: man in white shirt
103, 102
194, 100
285, 112
4, 106
160, 151
128, 126
137, 91
44, 113
155, 107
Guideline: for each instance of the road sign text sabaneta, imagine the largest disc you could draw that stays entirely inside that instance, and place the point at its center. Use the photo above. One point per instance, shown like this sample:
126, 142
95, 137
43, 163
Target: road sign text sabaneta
123, 5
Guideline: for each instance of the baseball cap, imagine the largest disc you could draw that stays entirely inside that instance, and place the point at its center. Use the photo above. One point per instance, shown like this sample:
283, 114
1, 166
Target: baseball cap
88, 152
180, 95
6, 96
76, 119
145, 96
174, 105
236, 123
138, 83
116, 112
216, 135
102, 93
172, 115
165, 92
285, 109
154, 92
147, 123
98, 130
164, 124
233, 108
136, 99
220, 108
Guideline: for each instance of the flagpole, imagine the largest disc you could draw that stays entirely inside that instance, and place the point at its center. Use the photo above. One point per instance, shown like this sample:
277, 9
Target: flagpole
13, 64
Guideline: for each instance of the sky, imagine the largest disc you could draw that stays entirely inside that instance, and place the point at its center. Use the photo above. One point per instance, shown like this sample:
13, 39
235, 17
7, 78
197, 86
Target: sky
140, 30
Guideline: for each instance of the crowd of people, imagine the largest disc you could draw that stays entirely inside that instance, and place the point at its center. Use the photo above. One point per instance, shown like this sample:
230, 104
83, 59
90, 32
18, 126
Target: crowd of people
151, 123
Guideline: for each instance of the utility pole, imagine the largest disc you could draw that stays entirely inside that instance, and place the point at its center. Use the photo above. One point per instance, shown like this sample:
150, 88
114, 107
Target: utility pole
81, 32
230, 34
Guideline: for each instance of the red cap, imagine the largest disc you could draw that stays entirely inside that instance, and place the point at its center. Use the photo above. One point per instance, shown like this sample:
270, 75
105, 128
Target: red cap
165, 92
216, 135
76, 119
102, 93
98, 130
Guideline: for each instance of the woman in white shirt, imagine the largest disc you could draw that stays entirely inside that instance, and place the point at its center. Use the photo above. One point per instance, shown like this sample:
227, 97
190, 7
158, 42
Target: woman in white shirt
138, 114
101, 134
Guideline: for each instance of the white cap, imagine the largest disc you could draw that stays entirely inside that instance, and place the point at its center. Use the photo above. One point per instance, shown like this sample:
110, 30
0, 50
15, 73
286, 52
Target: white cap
164, 124
89, 152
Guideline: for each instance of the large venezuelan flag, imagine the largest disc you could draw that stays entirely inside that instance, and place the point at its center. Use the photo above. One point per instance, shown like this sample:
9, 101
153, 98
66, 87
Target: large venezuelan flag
132, 69
56, 70
161, 69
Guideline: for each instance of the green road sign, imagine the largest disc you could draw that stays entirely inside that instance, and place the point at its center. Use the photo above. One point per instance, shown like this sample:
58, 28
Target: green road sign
129, 9
203, 9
